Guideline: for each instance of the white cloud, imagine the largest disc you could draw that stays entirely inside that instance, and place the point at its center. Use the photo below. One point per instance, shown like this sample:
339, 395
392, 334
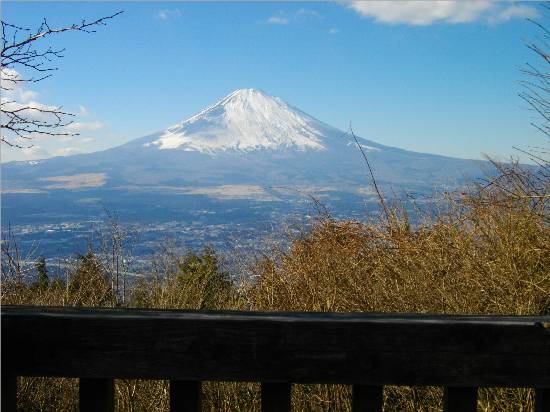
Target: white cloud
304, 13
35, 152
333, 30
277, 20
513, 12
299, 16
82, 110
26, 95
76, 139
66, 151
16, 97
28, 153
425, 12
31, 109
9, 78
13, 87
166, 14
79, 127
65, 138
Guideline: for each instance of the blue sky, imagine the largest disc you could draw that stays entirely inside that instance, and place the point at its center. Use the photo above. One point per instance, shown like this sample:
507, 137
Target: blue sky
425, 76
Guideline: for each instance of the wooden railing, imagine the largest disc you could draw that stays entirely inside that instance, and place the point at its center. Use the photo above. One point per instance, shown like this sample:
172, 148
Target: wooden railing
368, 351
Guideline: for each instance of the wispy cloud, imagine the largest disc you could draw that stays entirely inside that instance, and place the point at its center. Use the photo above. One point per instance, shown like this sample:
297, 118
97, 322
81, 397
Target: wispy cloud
426, 12
167, 14
31, 110
34, 152
305, 13
79, 127
297, 17
277, 20
82, 110
16, 96
13, 87
333, 30
513, 12
66, 151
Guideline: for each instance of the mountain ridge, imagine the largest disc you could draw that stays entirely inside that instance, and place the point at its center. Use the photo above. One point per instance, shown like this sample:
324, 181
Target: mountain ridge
247, 137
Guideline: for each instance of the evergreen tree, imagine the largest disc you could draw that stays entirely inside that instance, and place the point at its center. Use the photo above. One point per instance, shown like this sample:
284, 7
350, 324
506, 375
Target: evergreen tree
202, 280
88, 284
41, 268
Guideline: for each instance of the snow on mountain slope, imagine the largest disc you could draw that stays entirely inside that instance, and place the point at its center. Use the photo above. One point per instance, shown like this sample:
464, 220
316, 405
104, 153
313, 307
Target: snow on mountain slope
245, 120
247, 138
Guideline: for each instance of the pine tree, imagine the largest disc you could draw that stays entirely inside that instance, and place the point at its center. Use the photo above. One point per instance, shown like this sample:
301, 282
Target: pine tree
41, 268
202, 281
88, 284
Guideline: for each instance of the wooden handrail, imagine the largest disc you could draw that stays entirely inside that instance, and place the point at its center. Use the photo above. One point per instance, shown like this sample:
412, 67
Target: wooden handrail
368, 351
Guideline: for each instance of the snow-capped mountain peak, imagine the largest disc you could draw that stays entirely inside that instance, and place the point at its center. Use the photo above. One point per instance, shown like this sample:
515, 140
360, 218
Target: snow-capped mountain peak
245, 120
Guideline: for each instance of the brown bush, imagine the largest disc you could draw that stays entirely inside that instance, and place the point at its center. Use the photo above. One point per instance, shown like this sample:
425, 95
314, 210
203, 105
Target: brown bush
486, 252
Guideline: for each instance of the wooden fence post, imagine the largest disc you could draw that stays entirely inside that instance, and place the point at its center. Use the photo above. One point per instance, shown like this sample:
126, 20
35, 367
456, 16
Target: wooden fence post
97, 395
458, 399
367, 398
9, 394
276, 397
185, 396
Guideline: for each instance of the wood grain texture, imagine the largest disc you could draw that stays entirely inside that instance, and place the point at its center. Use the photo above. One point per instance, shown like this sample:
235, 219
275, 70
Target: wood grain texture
96, 395
276, 397
542, 399
185, 396
361, 349
8, 395
460, 399
367, 398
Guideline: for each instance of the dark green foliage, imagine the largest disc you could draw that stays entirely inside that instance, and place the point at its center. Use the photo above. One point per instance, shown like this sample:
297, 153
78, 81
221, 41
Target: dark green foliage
202, 272
42, 270
194, 264
88, 285
197, 282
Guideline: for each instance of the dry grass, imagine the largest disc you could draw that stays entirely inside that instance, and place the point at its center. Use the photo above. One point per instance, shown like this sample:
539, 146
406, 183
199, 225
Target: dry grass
486, 251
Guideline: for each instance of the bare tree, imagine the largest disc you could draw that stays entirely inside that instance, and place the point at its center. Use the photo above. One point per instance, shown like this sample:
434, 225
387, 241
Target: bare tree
15, 266
536, 86
114, 244
26, 51
514, 179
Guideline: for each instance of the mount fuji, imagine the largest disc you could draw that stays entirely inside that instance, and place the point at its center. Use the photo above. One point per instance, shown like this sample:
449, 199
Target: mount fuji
245, 120
245, 160
246, 138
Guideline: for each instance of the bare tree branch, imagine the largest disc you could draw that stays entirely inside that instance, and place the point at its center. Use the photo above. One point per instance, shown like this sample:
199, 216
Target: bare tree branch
373, 180
20, 122
536, 86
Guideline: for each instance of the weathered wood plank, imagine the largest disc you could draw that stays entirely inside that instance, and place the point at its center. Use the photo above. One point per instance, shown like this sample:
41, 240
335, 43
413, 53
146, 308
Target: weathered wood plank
96, 395
185, 396
542, 400
276, 397
367, 398
8, 394
277, 347
460, 399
